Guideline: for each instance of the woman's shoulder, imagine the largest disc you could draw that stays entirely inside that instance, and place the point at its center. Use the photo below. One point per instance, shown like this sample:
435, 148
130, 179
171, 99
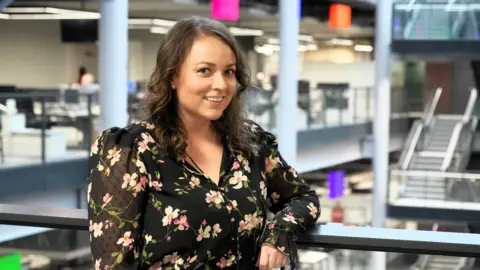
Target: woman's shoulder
262, 136
130, 136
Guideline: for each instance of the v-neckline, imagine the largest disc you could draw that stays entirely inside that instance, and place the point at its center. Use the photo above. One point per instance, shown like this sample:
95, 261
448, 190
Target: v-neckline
225, 163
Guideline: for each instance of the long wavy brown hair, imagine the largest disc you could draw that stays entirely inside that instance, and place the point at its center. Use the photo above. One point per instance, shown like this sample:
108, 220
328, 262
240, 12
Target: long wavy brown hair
162, 101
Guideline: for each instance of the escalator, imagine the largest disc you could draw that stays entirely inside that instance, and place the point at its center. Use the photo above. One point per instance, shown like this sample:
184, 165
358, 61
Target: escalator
438, 143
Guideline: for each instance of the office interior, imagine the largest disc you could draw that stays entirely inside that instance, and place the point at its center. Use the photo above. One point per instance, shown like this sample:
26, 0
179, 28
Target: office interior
49, 120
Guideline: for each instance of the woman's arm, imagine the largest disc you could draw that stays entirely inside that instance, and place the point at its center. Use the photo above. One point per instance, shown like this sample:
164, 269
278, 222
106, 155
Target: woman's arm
116, 200
295, 205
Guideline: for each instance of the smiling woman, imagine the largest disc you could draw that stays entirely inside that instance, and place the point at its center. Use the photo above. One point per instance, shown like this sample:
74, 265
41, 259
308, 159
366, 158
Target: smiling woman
190, 187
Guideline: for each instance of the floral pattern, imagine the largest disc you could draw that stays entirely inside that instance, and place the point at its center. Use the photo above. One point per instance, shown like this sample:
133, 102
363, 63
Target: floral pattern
151, 211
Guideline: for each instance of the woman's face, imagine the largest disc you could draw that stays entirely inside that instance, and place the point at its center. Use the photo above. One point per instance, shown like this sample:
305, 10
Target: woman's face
206, 82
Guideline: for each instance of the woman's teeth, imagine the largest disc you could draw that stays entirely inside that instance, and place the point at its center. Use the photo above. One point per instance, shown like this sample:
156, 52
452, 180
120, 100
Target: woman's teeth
214, 99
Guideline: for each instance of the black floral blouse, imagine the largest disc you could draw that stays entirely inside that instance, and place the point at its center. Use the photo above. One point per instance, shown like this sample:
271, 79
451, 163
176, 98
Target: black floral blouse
149, 211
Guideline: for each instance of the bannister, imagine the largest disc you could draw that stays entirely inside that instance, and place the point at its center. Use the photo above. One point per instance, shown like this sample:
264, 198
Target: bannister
418, 127
326, 236
433, 106
467, 116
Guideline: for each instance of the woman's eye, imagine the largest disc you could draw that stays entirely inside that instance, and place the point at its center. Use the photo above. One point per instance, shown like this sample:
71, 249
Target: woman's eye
230, 72
203, 70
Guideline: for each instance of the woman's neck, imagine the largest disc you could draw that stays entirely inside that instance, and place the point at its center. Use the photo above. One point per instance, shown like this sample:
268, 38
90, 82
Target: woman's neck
198, 129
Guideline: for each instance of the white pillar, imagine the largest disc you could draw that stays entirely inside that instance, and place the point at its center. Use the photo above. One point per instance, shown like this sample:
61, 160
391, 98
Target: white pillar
287, 80
381, 121
113, 63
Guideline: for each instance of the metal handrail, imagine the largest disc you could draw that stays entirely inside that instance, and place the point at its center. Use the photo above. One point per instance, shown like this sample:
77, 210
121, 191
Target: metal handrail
433, 174
458, 128
433, 106
419, 128
411, 149
325, 236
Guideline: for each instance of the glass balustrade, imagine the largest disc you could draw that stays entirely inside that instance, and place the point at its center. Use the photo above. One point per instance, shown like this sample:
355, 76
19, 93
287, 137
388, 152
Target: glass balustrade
458, 20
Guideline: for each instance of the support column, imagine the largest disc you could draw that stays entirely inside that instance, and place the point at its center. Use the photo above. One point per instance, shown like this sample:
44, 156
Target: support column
287, 79
381, 121
113, 63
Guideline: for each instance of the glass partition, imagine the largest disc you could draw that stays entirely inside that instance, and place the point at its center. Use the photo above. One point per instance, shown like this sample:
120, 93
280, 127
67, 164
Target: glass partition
457, 20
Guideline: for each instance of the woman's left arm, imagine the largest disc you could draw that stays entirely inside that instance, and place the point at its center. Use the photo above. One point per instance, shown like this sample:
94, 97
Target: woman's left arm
295, 205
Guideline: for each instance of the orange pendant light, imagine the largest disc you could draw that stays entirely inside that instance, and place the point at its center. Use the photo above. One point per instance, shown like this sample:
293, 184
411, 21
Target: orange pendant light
340, 16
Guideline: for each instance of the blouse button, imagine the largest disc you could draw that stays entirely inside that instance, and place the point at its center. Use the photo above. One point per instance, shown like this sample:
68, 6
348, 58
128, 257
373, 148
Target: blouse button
232, 220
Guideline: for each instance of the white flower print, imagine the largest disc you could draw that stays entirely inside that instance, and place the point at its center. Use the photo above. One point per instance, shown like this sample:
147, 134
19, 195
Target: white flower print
170, 215
313, 210
214, 196
194, 182
174, 259
141, 166
94, 149
216, 230
129, 180
89, 189
125, 240
148, 239
97, 229
263, 189
238, 179
97, 264
114, 155
204, 233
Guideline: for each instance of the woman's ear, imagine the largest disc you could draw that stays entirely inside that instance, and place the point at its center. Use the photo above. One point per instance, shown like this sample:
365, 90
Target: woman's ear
174, 82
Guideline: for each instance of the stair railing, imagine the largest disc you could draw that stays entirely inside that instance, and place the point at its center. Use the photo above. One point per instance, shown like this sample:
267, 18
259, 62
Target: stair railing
467, 116
417, 130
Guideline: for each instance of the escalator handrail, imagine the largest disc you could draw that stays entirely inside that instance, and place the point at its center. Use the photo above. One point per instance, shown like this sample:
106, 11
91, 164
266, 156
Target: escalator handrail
419, 126
411, 148
467, 116
433, 107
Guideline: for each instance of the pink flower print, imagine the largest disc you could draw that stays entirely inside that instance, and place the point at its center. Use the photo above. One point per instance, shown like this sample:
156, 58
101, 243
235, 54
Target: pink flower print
222, 263
271, 226
156, 185
106, 199
236, 165
182, 223
125, 240
290, 218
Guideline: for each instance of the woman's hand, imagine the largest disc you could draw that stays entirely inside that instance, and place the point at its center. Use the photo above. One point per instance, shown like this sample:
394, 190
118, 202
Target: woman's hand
271, 257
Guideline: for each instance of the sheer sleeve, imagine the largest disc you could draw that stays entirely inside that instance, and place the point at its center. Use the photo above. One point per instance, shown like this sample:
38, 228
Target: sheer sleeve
295, 205
116, 200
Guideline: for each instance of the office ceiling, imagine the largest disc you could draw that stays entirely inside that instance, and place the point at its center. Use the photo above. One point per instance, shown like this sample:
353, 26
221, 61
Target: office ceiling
257, 14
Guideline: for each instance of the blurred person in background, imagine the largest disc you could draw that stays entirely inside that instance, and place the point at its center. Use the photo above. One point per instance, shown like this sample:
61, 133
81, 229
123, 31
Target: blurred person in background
84, 77
190, 187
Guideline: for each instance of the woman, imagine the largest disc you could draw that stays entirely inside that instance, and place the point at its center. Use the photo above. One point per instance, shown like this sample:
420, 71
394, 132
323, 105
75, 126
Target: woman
189, 188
